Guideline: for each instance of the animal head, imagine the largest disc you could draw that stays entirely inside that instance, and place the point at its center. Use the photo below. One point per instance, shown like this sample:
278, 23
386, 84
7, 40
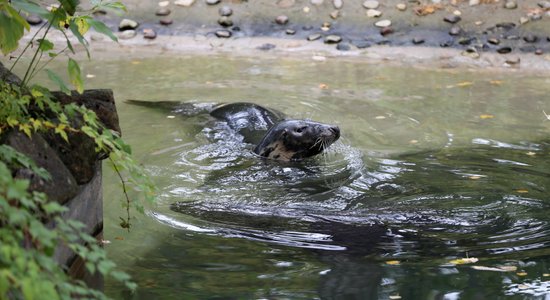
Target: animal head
296, 139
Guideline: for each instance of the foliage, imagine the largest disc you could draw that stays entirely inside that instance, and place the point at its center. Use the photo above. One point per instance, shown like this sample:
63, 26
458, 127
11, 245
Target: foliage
27, 268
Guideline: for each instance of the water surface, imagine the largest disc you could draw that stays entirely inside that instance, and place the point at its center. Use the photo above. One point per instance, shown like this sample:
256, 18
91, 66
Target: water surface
432, 166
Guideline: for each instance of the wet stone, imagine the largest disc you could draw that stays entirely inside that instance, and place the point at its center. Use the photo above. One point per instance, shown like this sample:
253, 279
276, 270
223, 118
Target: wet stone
493, 41
455, 30
386, 30
473, 2
317, 2
531, 38
333, 39
127, 24
506, 25
535, 17
446, 44
313, 37
212, 2
223, 33
371, 4
149, 34
361, 44
453, 19
504, 50
34, 20
335, 14
343, 47
290, 31
418, 40
464, 41
528, 48
166, 21
513, 60
338, 4
127, 34
225, 11
281, 20
163, 11
401, 6
544, 4
539, 52
512, 37
523, 20
225, 21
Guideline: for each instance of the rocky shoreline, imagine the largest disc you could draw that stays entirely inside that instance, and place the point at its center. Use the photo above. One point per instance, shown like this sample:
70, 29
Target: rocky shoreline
494, 32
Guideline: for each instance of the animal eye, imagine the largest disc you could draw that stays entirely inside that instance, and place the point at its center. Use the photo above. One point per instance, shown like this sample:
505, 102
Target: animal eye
299, 130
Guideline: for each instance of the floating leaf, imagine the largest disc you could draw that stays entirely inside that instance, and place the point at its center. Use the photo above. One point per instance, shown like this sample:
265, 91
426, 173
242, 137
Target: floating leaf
522, 191
323, 86
465, 83
492, 269
462, 261
521, 273
486, 116
393, 262
495, 82
531, 153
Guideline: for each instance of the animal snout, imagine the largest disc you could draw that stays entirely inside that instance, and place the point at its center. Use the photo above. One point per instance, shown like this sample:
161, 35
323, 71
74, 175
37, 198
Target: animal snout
336, 131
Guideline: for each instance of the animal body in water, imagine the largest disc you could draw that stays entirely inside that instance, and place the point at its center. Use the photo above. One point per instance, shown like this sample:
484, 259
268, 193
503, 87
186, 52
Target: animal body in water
274, 136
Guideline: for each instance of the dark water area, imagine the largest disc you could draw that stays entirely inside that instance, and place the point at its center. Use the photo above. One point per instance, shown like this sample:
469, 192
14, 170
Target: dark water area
432, 167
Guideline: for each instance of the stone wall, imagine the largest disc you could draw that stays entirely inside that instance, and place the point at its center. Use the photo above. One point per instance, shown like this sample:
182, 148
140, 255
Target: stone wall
74, 167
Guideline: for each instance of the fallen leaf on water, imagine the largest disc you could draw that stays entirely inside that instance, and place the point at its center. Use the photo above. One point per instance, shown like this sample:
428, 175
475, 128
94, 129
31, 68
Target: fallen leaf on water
509, 268
427, 9
413, 142
531, 153
486, 116
522, 191
380, 117
495, 82
170, 117
136, 62
105, 242
474, 177
119, 238
323, 86
90, 76
395, 297
521, 273
462, 261
393, 262
465, 83
483, 268
545, 275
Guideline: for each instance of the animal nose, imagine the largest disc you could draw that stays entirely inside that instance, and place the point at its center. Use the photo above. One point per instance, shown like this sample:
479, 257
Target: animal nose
335, 130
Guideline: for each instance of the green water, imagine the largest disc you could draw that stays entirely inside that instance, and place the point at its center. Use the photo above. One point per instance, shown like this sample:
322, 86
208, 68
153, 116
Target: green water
432, 166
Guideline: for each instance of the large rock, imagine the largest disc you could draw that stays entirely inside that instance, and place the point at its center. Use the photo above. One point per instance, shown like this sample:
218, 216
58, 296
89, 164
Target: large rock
62, 185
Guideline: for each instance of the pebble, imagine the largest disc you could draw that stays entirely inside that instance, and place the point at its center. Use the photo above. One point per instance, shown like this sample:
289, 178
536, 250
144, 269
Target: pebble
464, 41
513, 60
371, 4
418, 40
281, 20
225, 11
455, 30
361, 44
504, 50
164, 3
471, 52
544, 4
510, 5
343, 47
446, 44
266, 47
383, 23
34, 20
338, 4
539, 52
453, 19
166, 21
531, 38
333, 39
184, 3
512, 37
528, 48
506, 25
317, 2
127, 24
212, 2
149, 33
493, 41
223, 34
473, 2
306, 9
386, 30
401, 6
335, 14
523, 20
373, 13
225, 21
127, 34
290, 31
313, 37
163, 11
325, 26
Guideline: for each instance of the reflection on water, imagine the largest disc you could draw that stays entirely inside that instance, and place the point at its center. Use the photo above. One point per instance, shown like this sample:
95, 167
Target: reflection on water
431, 166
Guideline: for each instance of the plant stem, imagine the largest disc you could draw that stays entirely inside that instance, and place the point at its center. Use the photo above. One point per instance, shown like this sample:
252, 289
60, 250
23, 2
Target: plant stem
125, 193
25, 79
27, 47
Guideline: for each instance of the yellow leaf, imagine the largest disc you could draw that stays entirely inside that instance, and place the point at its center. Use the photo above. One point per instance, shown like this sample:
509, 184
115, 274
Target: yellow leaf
323, 86
393, 262
531, 153
486, 116
26, 128
82, 25
12, 122
521, 273
522, 191
48, 124
36, 124
462, 261
495, 82
545, 275
474, 177
465, 83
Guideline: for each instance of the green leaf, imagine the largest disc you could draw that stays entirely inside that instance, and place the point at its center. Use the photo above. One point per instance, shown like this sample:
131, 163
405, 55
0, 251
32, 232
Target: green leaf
53, 77
45, 45
11, 31
103, 29
31, 8
69, 6
75, 76
73, 26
